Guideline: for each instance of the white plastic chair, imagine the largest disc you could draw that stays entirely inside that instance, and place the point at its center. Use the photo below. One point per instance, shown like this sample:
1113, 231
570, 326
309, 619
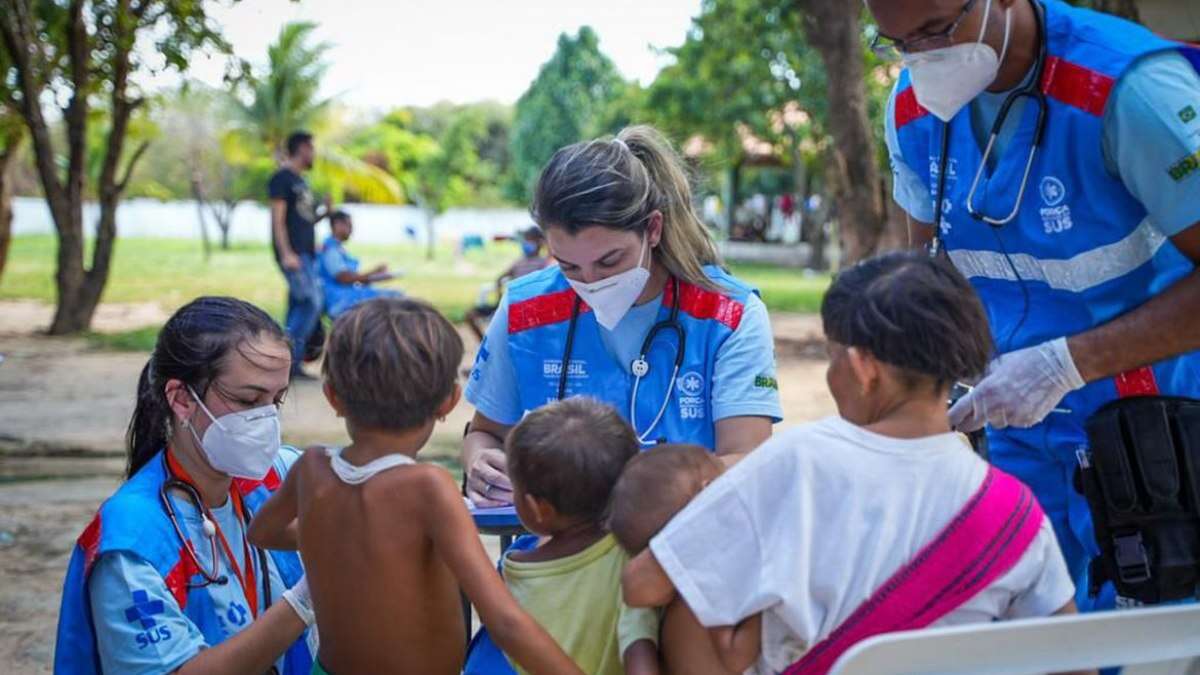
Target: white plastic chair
1157, 641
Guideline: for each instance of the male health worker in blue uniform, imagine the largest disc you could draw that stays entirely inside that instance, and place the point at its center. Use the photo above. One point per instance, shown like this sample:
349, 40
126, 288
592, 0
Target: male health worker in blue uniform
1064, 145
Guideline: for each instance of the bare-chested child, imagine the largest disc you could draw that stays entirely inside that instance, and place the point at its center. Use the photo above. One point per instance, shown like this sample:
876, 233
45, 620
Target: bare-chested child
655, 486
387, 542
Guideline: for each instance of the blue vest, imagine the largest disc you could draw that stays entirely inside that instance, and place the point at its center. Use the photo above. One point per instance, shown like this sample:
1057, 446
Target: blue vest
134, 521
539, 315
1081, 243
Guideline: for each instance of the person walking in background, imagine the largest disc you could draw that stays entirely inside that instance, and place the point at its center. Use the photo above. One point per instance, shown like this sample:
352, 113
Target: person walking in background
293, 223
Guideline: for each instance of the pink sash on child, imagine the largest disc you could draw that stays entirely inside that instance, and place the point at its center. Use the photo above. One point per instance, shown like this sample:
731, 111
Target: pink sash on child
983, 542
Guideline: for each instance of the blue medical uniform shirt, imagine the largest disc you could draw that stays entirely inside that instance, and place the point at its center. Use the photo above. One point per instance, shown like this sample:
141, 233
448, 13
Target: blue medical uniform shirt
749, 353
1152, 123
139, 626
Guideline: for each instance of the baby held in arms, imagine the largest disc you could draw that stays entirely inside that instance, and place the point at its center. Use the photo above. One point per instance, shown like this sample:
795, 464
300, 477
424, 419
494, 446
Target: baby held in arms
859, 524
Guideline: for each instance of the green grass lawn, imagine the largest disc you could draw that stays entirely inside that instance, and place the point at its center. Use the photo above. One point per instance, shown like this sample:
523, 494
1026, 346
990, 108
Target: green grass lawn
171, 272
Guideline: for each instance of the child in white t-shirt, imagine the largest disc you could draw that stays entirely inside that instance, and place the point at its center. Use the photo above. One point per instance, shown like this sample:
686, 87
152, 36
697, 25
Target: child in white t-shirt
810, 525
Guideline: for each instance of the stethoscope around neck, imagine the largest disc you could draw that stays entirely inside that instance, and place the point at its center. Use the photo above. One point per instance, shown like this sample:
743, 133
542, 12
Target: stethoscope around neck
1031, 90
640, 367
209, 577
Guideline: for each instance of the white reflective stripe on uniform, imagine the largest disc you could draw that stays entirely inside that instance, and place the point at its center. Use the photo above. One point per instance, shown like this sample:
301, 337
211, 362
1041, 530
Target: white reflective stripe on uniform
1076, 274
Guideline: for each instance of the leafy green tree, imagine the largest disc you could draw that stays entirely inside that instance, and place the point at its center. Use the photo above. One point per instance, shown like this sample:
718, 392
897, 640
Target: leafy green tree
793, 73
561, 106
285, 97
79, 53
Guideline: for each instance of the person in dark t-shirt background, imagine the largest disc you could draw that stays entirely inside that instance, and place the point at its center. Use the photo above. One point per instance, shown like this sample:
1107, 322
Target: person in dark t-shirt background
294, 217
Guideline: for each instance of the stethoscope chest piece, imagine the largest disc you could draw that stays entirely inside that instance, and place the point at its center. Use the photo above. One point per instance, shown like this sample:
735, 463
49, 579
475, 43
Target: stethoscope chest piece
640, 367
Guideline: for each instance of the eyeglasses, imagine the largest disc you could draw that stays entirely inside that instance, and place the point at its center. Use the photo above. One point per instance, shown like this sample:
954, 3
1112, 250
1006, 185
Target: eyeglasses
891, 49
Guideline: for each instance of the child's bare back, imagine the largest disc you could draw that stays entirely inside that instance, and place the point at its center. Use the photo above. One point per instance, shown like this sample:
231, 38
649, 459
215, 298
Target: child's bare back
386, 542
374, 574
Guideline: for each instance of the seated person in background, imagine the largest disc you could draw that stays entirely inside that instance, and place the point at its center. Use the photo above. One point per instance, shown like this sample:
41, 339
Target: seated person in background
564, 459
531, 260
344, 285
859, 506
387, 543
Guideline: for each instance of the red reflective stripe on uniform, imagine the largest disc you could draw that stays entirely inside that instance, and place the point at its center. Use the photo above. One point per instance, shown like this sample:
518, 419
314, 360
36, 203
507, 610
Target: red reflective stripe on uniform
1076, 86
245, 486
179, 576
542, 310
1137, 382
701, 303
89, 541
907, 108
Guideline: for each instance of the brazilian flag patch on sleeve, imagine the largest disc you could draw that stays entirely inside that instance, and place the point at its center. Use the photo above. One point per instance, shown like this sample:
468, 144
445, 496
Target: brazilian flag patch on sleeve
764, 382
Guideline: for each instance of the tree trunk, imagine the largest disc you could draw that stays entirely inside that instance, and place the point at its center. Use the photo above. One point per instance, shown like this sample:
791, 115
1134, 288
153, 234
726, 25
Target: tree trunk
223, 215
832, 27
8, 159
430, 239
895, 232
198, 197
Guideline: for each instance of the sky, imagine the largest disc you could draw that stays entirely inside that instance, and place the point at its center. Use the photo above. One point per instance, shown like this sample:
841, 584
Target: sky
388, 53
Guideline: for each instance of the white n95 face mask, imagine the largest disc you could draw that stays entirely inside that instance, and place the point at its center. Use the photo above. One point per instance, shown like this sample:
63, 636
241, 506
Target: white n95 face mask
949, 78
240, 444
611, 298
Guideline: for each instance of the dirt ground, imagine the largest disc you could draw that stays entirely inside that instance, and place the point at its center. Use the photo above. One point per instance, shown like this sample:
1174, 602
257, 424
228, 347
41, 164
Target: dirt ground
63, 411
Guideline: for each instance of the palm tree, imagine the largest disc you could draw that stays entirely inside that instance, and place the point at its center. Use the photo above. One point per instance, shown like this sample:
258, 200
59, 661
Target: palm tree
286, 98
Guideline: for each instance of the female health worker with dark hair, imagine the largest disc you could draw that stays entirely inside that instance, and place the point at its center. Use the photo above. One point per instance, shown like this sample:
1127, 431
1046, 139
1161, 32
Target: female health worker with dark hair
164, 579
637, 313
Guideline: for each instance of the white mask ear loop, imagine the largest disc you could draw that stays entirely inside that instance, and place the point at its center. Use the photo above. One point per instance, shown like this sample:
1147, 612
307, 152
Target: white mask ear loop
987, 14
203, 407
1007, 34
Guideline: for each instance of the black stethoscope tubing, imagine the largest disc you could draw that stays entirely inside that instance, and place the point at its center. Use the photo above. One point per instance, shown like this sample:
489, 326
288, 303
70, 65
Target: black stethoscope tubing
173, 482
672, 324
1032, 91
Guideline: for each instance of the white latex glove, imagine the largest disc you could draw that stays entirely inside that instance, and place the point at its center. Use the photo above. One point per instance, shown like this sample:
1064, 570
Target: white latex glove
297, 596
1020, 389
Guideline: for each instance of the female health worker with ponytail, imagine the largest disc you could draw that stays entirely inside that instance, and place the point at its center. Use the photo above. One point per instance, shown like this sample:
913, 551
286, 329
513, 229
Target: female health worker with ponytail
637, 313
164, 580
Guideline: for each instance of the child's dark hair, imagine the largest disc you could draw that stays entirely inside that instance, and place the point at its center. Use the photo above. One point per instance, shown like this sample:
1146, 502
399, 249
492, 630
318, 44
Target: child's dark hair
913, 312
571, 453
392, 362
655, 486
191, 347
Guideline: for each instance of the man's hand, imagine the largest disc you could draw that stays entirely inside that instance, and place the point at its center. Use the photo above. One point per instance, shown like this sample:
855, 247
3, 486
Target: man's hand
378, 269
290, 261
1020, 389
487, 483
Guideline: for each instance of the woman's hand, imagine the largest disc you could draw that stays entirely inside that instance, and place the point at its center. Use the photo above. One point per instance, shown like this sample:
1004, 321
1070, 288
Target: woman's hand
487, 484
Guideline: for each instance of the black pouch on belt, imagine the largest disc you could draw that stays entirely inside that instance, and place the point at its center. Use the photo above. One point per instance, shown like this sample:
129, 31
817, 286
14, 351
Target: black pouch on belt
1141, 479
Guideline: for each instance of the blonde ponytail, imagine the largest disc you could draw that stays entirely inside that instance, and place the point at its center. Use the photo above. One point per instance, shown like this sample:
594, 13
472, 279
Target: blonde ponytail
619, 184
686, 245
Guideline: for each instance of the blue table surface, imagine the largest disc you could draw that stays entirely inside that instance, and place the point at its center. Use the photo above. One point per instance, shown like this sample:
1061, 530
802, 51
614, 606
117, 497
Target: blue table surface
504, 516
